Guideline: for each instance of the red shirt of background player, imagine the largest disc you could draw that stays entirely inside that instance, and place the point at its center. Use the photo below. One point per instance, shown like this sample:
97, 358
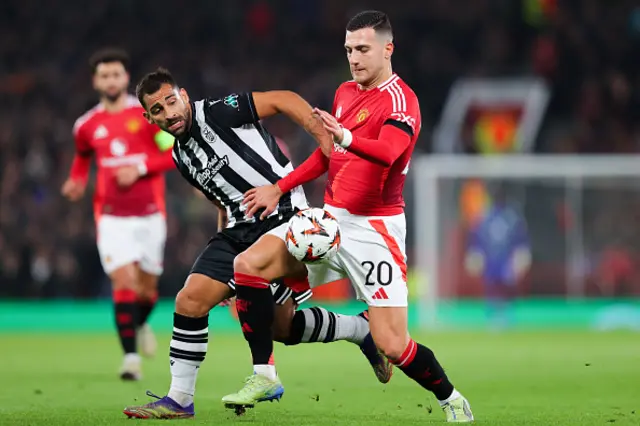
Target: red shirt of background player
121, 139
368, 178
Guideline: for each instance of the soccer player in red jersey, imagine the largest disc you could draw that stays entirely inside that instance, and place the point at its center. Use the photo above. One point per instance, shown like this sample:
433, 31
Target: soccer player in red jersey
375, 124
129, 203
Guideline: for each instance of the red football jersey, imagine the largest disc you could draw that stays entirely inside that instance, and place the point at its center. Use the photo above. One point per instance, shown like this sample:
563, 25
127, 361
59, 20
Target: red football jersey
120, 139
360, 186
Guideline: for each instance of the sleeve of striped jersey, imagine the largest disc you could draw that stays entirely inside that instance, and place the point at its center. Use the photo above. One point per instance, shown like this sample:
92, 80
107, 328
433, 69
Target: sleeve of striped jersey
391, 143
312, 168
234, 110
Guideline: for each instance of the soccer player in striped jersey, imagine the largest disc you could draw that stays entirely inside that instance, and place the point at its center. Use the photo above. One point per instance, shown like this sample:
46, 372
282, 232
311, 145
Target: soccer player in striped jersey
129, 207
375, 123
223, 150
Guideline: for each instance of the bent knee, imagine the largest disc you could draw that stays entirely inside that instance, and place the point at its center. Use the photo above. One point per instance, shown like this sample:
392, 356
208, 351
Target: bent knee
189, 304
250, 262
391, 346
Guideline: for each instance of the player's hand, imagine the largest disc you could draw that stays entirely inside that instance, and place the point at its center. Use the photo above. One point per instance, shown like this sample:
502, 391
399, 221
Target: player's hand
331, 124
266, 197
73, 190
127, 175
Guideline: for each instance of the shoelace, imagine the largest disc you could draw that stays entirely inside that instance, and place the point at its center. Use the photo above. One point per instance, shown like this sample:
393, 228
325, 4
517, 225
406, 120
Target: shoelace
251, 383
153, 395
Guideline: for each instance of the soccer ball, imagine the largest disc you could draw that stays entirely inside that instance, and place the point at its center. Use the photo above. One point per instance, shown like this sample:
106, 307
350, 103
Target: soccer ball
313, 235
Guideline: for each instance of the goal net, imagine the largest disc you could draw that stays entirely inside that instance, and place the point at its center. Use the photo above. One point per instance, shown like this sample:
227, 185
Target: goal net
582, 221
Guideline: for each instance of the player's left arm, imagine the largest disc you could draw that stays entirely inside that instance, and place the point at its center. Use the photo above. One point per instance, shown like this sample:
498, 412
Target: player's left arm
394, 138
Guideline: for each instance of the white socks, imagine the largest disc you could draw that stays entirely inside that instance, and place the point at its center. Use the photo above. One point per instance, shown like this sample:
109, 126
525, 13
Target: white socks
351, 328
187, 350
183, 381
266, 370
454, 395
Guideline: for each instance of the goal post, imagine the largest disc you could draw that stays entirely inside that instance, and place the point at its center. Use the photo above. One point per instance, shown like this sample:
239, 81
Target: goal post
579, 211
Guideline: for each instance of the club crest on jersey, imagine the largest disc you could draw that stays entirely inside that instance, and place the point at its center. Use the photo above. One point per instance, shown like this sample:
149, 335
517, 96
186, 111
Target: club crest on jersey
362, 115
133, 126
118, 147
101, 132
208, 134
231, 100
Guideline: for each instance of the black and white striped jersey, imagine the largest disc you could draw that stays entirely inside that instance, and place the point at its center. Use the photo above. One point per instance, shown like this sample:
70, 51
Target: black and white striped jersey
227, 151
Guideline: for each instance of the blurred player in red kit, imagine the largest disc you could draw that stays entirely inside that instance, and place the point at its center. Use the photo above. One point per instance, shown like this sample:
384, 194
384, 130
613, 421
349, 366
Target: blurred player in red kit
375, 124
129, 202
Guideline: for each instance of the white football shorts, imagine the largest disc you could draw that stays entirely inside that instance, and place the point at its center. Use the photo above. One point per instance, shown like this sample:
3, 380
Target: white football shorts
128, 239
372, 255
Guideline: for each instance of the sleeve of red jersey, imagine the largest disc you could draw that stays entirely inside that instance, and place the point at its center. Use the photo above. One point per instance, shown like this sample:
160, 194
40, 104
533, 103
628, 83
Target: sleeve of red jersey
83, 152
158, 163
395, 135
162, 161
312, 168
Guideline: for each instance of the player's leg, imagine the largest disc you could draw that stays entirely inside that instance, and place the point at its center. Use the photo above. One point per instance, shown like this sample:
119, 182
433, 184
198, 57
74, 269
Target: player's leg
118, 254
267, 260
147, 299
314, 324
389, 331
264, 262
152, 236
317, 324
254, 270
204, 289
307, 325
124, 285
187, 349
376, 264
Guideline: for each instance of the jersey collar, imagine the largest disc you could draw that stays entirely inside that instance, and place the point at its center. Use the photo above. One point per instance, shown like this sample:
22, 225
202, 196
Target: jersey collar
394, 77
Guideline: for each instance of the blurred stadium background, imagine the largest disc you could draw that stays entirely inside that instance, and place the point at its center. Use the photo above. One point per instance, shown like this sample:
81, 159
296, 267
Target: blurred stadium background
538, 97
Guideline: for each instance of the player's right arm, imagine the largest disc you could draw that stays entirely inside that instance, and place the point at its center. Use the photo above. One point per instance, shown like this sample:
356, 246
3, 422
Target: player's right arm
239, 109
75, 185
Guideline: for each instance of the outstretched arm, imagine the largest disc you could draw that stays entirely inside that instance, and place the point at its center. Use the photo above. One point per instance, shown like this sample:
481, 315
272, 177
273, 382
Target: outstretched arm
312, 168
298, 110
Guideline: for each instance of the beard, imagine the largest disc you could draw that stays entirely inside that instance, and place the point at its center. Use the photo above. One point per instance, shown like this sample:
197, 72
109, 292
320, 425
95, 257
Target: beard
113, 96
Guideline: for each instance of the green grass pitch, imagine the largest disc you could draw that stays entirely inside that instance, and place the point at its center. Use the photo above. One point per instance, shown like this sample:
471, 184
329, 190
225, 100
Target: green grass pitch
524, 378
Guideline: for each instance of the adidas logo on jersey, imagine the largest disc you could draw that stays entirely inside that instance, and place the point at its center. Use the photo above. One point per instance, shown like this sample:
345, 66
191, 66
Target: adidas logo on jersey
380, 295
100, 133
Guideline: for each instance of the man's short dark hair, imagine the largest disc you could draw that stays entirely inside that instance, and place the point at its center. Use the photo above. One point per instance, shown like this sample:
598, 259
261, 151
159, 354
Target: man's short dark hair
377, 20
152, 82
111, 54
